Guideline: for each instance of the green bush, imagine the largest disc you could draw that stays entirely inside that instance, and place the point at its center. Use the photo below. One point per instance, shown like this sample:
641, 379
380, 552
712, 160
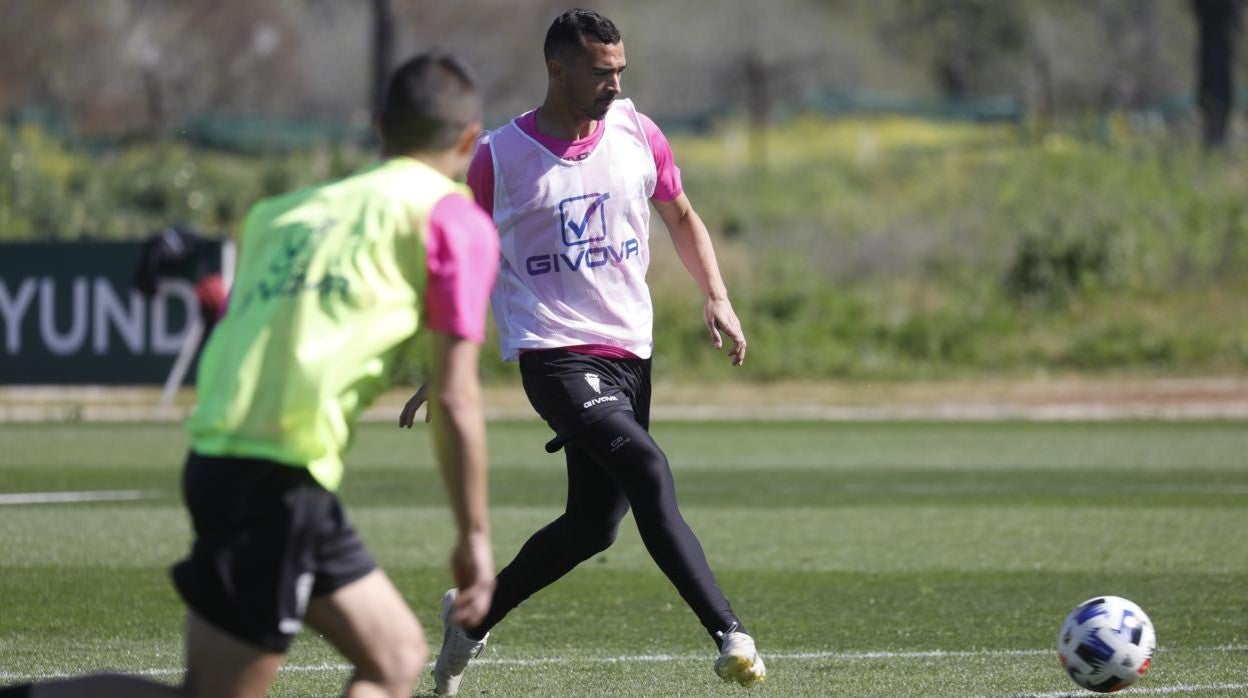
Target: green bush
49, 191
867, 249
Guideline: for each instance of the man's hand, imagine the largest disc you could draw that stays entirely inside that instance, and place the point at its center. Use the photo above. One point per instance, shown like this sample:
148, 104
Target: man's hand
693, 246
472, 564
408, 415
720, 317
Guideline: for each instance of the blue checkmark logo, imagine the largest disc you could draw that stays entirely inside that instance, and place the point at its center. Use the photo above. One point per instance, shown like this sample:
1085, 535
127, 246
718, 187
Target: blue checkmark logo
583, 219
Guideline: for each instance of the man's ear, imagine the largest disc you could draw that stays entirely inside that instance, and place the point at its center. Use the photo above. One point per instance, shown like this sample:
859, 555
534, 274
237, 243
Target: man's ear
554, 69
467, 140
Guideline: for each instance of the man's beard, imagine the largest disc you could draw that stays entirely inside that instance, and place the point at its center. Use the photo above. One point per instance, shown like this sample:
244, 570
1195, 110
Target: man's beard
599, 108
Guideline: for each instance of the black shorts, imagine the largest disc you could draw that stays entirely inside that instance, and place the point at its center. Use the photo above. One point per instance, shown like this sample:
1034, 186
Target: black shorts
267, 538
571, 390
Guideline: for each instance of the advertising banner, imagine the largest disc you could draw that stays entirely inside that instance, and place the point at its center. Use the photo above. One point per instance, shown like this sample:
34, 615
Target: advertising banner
70, 314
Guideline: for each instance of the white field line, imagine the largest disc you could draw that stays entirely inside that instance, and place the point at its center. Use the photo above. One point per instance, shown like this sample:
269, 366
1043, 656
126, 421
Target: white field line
673, 658
71, 497
1150, 690
989, 488
23, 498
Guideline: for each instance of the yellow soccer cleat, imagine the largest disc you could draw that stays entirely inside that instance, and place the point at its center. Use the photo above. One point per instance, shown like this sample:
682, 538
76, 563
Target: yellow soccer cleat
738, 659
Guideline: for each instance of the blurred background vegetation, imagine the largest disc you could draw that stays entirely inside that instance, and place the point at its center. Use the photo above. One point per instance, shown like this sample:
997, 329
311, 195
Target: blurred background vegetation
899, 189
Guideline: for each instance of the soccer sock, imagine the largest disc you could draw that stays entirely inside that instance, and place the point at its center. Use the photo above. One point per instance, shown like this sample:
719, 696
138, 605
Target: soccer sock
735, 627
19, 691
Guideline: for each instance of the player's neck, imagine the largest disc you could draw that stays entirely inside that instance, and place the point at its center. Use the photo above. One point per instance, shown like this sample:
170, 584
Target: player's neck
556, 121
444, 162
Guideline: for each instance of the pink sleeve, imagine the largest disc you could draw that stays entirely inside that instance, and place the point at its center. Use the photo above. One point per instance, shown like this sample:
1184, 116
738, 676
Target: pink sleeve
668, 186
481, 176
462, 258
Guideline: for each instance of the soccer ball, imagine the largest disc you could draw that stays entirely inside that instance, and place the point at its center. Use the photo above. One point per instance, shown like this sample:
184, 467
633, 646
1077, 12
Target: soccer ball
1106, 644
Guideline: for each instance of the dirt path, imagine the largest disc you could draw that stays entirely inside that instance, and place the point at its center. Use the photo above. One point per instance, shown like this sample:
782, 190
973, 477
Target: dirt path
1033, 399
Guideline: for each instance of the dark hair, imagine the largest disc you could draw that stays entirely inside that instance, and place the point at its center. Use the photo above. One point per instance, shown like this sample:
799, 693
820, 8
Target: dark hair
571, 27
429, 100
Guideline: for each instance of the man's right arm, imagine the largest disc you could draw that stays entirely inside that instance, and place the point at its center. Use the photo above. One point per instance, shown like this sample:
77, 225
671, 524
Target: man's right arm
458, 426
461, 261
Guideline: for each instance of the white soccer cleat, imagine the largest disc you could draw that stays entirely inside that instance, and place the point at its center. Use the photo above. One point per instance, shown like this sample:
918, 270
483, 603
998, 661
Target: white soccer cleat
457, 649
738, 659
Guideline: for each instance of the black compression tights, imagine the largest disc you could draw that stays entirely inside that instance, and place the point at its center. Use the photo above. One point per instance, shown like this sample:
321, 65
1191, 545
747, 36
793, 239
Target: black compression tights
614, 464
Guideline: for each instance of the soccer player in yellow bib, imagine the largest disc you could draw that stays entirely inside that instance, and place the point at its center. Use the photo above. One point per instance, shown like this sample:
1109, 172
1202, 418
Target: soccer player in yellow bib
333, 284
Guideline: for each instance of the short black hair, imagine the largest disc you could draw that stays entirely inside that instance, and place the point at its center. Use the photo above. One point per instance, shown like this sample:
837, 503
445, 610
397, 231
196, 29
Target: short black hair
571, 27
429, 100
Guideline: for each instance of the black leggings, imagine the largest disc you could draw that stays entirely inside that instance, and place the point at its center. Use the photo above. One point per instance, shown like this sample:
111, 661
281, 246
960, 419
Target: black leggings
614, 463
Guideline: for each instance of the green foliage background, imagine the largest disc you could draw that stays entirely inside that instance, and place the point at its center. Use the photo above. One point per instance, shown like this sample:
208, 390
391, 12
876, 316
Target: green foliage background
863, 248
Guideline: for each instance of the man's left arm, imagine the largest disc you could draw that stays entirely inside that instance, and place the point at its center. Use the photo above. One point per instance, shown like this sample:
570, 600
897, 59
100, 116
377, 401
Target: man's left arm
693, 245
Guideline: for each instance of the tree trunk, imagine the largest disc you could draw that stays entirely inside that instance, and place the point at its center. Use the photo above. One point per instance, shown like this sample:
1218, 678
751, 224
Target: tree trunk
383, 50
758, 106
1216, 22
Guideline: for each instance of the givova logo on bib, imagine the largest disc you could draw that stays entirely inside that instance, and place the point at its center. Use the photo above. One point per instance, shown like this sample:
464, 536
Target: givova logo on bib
583, 219
583, 232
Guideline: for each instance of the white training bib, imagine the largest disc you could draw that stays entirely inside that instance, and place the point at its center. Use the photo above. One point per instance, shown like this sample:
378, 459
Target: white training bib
574, 239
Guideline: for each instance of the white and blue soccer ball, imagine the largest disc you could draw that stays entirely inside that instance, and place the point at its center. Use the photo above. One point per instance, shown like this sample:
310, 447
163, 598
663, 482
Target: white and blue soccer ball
1106, 644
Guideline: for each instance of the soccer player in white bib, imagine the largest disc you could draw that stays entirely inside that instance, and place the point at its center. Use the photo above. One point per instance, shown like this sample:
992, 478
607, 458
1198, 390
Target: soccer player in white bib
570, 185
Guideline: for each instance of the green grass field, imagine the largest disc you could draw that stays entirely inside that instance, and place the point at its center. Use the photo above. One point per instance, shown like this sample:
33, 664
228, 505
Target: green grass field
889, 559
